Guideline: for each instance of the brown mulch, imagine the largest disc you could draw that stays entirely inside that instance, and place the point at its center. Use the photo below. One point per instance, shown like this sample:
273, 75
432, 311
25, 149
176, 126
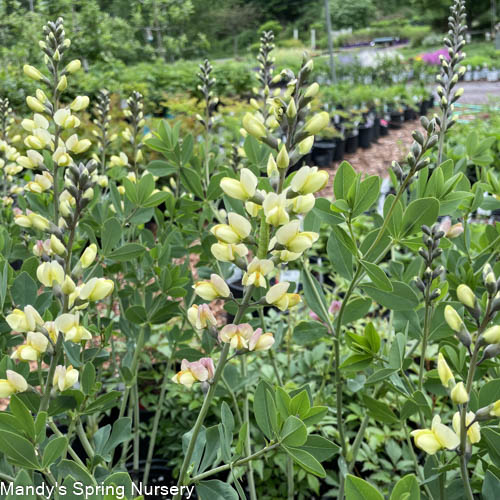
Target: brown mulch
378, 158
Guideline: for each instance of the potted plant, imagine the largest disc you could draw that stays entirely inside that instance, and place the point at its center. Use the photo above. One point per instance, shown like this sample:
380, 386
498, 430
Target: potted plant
323, 150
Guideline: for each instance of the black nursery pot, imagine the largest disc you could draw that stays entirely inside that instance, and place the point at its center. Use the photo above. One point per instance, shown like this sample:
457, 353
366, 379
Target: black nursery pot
351, 144
424, 108
384, 130
410, 114
376, 130
397, 119
323, 153
365, 137
339, 149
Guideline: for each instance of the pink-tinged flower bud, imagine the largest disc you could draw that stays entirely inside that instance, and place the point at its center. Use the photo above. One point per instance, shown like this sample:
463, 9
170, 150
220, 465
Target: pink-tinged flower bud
201, 316
260, 341
191, 372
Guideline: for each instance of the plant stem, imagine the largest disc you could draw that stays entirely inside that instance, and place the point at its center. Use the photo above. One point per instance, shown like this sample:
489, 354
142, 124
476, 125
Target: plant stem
425, 337
44, 404
137, 422
248, 445
71, 451
242, 461
210, 394
156, 421
83, 439
465, 477
289, 475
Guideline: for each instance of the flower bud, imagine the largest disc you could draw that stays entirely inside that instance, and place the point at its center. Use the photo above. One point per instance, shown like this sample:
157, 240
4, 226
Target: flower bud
253, 126
291, 110
56, 246
34, 104
63, 84
459, 394
306, 145
453, 318
317, 123
73, 66
492, 335
466, 296
272, 168
444, 371
68, 286
282, 160
311, 91
32, 72
88, 256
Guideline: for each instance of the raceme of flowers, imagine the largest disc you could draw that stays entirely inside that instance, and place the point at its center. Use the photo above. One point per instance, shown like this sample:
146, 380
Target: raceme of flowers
53, 149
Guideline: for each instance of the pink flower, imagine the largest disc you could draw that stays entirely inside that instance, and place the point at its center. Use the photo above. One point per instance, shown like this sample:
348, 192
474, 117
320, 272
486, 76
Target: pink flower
260, 341
313, 316
195, 371
335, 307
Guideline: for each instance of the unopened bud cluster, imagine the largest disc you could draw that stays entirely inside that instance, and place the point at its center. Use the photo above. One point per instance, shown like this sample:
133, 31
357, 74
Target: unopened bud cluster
206, 87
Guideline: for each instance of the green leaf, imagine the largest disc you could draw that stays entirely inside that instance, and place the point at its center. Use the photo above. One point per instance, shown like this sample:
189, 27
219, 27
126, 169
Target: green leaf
283, 401
215, 490
103, 402
192, 181
261, 410
344, 179
355, 309
300, 405
358, 489
320, 448
489, 393
136, 314
305, 460
294, 432
491, 486
88, 378
23, 416
127, 252
70, 468
419, 212
145, 188
380, 411
367, 195
40, 426
24, 290
18, 450
212, 445
378, 277
110, 234
307, 332
314, 295
492, 441
402, 298
161, 168
54, 450
406, 489
339, 256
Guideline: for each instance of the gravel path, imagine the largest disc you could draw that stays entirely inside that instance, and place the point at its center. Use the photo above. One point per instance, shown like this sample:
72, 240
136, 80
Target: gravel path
378, 158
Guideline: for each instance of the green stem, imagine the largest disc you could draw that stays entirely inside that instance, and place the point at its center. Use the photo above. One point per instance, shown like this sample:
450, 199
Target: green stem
465, 477
71, 451
289, 475
242, 461
239, 418
156, 421
210, 394
425, 337
84, 440
44, 404
248, 445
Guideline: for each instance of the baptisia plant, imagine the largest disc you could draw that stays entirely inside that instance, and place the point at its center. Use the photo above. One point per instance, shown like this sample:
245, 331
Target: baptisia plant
54, 345
261, 234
